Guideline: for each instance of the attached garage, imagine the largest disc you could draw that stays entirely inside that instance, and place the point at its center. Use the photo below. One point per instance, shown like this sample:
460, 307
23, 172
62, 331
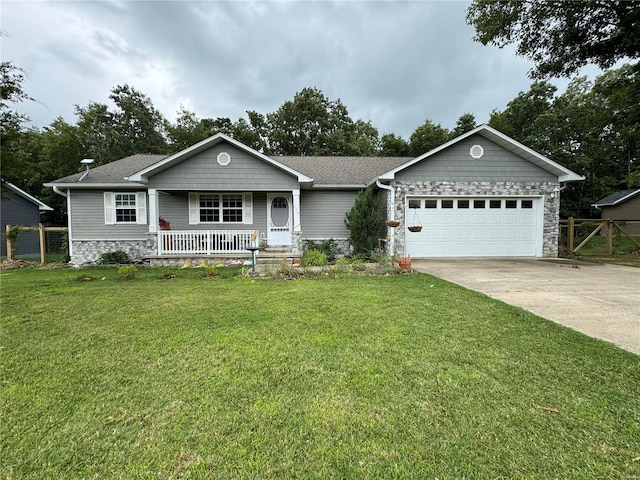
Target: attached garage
481, 194
474, 226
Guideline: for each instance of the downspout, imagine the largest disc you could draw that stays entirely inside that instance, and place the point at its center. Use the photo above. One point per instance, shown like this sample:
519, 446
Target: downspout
392, 201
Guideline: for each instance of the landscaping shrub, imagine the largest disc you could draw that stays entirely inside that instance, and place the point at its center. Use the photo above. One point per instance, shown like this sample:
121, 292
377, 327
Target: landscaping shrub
328, 247
127, 272
315, 258
118, 256
365, 221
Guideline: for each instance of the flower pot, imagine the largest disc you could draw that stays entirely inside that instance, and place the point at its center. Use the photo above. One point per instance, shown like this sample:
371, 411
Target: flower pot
415, 228
392, 223
405, 263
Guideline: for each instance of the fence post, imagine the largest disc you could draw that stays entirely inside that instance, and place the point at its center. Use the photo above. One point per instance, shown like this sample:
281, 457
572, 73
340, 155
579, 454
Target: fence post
609, 236
570, 223
43, 248
9, 246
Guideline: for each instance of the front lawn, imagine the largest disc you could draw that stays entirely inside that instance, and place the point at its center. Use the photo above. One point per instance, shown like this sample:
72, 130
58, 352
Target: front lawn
404, 376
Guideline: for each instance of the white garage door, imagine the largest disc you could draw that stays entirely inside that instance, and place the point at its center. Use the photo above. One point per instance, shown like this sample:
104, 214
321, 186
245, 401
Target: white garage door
474, 227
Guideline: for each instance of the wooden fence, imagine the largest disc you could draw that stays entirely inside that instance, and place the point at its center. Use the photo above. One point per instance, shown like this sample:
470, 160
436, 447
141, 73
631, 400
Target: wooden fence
605, 227
41, 229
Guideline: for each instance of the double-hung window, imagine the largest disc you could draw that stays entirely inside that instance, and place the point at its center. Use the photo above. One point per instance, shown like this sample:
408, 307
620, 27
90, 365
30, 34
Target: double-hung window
125, 208
220, 208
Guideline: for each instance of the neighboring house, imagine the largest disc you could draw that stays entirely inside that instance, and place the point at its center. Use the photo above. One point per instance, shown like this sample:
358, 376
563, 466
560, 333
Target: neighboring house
17, 207
622, 205
481, 194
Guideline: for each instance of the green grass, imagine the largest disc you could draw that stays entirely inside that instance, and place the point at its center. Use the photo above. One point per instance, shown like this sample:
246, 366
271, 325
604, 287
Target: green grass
403, 376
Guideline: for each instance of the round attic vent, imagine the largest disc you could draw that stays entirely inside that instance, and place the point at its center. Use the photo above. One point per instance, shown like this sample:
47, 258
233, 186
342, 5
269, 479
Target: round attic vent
224, 159
476, 151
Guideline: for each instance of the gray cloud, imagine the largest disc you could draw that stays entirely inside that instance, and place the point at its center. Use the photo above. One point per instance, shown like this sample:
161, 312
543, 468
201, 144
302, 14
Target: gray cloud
393, 63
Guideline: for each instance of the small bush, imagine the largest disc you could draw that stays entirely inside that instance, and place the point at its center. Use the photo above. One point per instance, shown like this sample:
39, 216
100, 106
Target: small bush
328, 247
210, 271
127, 272
118, 256
315, 258
167, 274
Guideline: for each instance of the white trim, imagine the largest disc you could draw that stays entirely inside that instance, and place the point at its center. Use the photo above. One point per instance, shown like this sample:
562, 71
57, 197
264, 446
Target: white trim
153, 210
297, 226
70, 230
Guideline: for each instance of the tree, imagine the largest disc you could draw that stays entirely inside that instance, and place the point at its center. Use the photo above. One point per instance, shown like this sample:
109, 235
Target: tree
465, 123
560, 36
138, 125
427, 137
392, 145
364, 221
13, 135
517, 120
311, 124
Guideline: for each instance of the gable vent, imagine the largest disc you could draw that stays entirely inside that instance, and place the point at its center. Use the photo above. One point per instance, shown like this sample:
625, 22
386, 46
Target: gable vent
476, 151
224, 159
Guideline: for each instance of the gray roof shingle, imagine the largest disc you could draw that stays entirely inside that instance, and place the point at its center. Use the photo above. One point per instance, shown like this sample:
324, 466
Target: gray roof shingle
352, 171
616, 197
342, 170
114, 172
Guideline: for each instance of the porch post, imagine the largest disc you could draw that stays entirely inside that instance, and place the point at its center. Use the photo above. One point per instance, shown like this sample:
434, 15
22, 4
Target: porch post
153, 210
296, 210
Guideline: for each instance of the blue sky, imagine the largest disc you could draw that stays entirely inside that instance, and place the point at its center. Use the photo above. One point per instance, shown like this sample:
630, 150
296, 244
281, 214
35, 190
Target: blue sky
395, 64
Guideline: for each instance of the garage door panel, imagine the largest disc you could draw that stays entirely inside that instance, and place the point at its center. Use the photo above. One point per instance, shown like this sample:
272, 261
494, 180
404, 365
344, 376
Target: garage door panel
474, 231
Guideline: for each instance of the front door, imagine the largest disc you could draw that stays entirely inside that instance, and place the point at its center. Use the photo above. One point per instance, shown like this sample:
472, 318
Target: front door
279, 219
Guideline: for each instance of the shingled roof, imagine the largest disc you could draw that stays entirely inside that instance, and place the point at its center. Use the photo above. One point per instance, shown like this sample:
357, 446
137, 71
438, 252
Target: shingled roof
114, 172
617, 197
342, 171
325, 171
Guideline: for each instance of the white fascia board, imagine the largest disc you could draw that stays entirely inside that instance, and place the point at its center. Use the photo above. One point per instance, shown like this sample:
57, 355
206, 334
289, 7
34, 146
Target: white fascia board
41, 206
339, 187
98, 186
142, 175
564, 174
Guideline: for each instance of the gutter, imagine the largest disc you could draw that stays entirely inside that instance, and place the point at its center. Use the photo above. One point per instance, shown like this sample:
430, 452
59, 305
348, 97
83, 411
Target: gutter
58, 191
392, 200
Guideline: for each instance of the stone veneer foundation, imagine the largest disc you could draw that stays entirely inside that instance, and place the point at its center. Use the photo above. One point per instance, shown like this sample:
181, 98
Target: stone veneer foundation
91, 250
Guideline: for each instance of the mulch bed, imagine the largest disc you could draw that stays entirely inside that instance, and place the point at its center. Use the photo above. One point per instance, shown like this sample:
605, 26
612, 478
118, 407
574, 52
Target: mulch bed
13, 264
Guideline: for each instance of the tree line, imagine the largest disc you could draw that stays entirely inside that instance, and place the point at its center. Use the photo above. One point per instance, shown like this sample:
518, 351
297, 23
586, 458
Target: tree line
592, 128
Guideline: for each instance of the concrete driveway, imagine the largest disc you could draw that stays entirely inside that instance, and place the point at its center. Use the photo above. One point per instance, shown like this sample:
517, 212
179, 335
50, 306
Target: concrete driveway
601, 301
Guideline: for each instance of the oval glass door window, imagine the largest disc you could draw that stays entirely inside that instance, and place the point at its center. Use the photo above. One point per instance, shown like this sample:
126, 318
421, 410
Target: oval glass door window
279, 212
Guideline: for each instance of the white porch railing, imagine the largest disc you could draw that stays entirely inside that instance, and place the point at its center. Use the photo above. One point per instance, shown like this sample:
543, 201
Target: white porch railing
204, 242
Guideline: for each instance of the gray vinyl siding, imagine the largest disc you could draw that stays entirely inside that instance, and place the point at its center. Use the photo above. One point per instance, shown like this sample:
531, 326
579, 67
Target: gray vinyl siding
244, 173
17, 210
322, 213
87, 219
455, 164
174, 208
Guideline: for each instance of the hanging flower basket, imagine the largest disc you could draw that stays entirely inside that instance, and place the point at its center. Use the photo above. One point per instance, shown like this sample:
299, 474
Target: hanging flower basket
392, 223
415, 228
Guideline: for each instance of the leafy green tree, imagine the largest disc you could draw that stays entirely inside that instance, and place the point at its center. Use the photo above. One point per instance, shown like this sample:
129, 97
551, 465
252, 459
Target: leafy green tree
427, 137
138, 125
392, 145
560, 36
465, 123
365, 221
12, 123
518, 118
311, 124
